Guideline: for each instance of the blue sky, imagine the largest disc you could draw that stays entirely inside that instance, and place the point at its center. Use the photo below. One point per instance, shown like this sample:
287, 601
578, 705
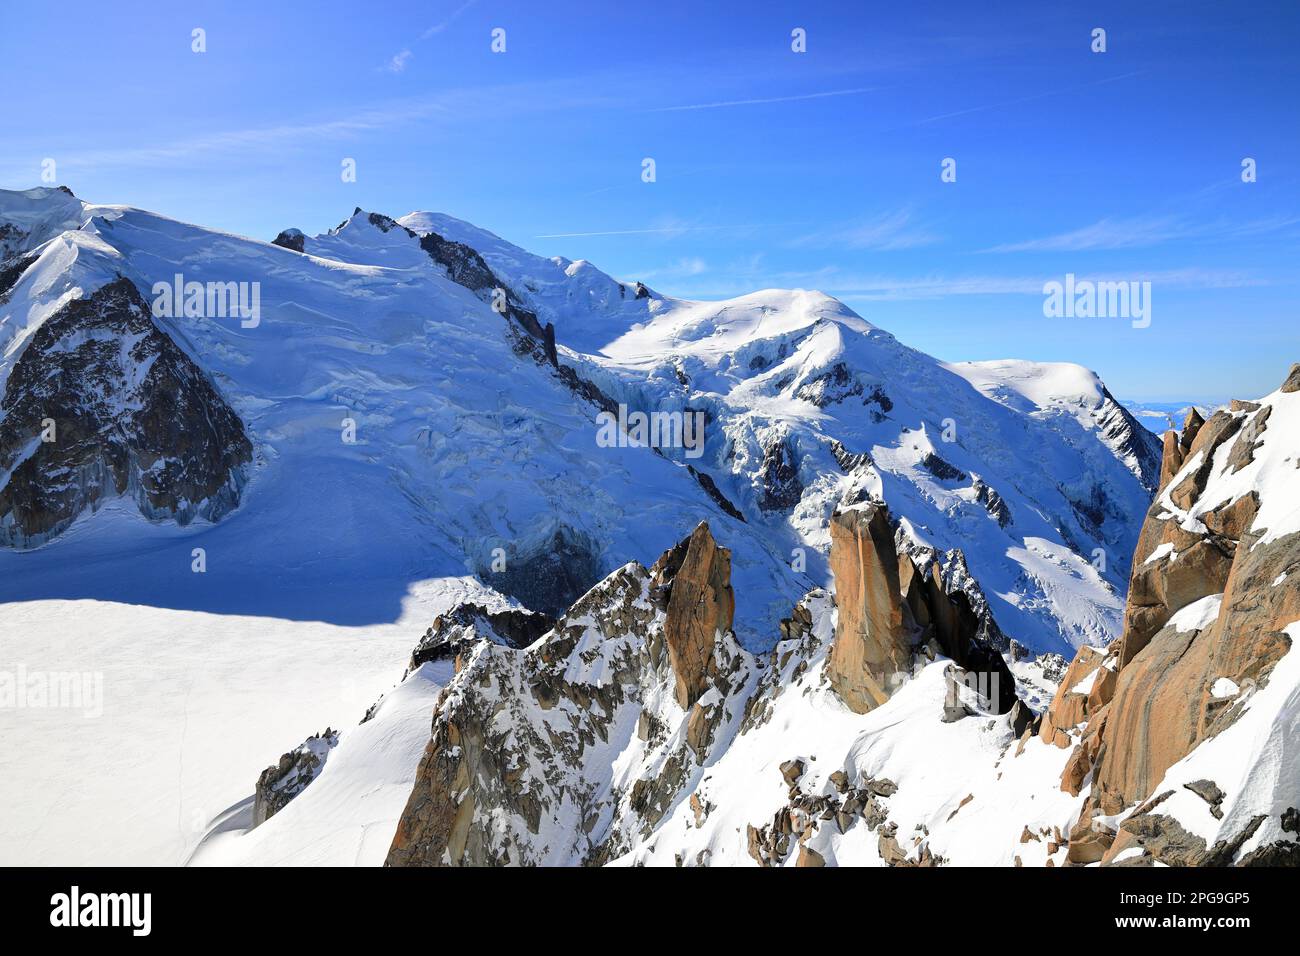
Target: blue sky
774, 169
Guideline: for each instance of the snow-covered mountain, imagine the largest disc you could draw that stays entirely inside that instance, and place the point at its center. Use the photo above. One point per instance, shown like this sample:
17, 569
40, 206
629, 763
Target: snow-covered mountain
637, 731
467, 430
405, 416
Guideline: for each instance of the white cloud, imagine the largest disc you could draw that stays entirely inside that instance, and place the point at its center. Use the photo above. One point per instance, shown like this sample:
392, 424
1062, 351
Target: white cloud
1145, 231
887, 231
398, 63
883, 287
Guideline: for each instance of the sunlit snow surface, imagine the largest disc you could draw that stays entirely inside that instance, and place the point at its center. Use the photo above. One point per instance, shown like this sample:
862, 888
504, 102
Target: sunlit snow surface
340, 554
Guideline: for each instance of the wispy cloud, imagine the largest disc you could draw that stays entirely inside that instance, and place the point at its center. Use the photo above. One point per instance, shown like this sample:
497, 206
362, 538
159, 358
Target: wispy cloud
851, 287
398, 63
448, 105
444, 24
1002, 104
1144, 231
670, 229
887, 231
880, 288
285, 135
723, 104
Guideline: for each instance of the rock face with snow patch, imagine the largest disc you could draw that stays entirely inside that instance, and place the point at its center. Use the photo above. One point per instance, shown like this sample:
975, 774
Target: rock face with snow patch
889, 610
457, 630
102, 403
1213, 610
284, 780
521, 766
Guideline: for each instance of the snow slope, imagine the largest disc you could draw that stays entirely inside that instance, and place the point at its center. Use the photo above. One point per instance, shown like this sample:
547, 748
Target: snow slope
795, 367
465, 448
962, 792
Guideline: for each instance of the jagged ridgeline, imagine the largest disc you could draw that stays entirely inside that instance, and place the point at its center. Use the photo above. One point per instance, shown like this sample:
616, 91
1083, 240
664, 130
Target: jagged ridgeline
828, 670
575, 748
882, 729
422, 373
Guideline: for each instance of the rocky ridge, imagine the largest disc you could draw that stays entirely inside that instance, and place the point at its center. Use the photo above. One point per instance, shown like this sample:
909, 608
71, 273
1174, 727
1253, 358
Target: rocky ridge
100, 403
1212, 612
621, 736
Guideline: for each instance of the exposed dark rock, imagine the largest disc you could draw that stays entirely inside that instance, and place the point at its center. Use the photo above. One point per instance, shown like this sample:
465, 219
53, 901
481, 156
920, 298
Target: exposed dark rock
283, 781
1023, 719
130, 414
954, 575
882, 401
1208, 791
992, 502
711, 489
1166, 839
1127, 436
10, 272
1248, 441
947, 621
466, 624
548, 575
290, 239
941, 469
834, 385
511, 752
464, 266
779, 475
849, 461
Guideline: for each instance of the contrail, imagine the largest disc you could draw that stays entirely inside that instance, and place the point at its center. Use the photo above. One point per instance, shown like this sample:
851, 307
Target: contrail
770, 99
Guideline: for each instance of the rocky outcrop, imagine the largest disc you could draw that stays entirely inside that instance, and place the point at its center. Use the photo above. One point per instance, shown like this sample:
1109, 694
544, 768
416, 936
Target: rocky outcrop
102, 403
890, 609
692, 584
872, 652
993, 502
11, 270
711, 489
281, 782
1210, 599
848, 461
1129, 439
548, 573
521, 767
945, 624
940, 468
834, 385
291, 239
1173, 566
458, 630
779, 477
